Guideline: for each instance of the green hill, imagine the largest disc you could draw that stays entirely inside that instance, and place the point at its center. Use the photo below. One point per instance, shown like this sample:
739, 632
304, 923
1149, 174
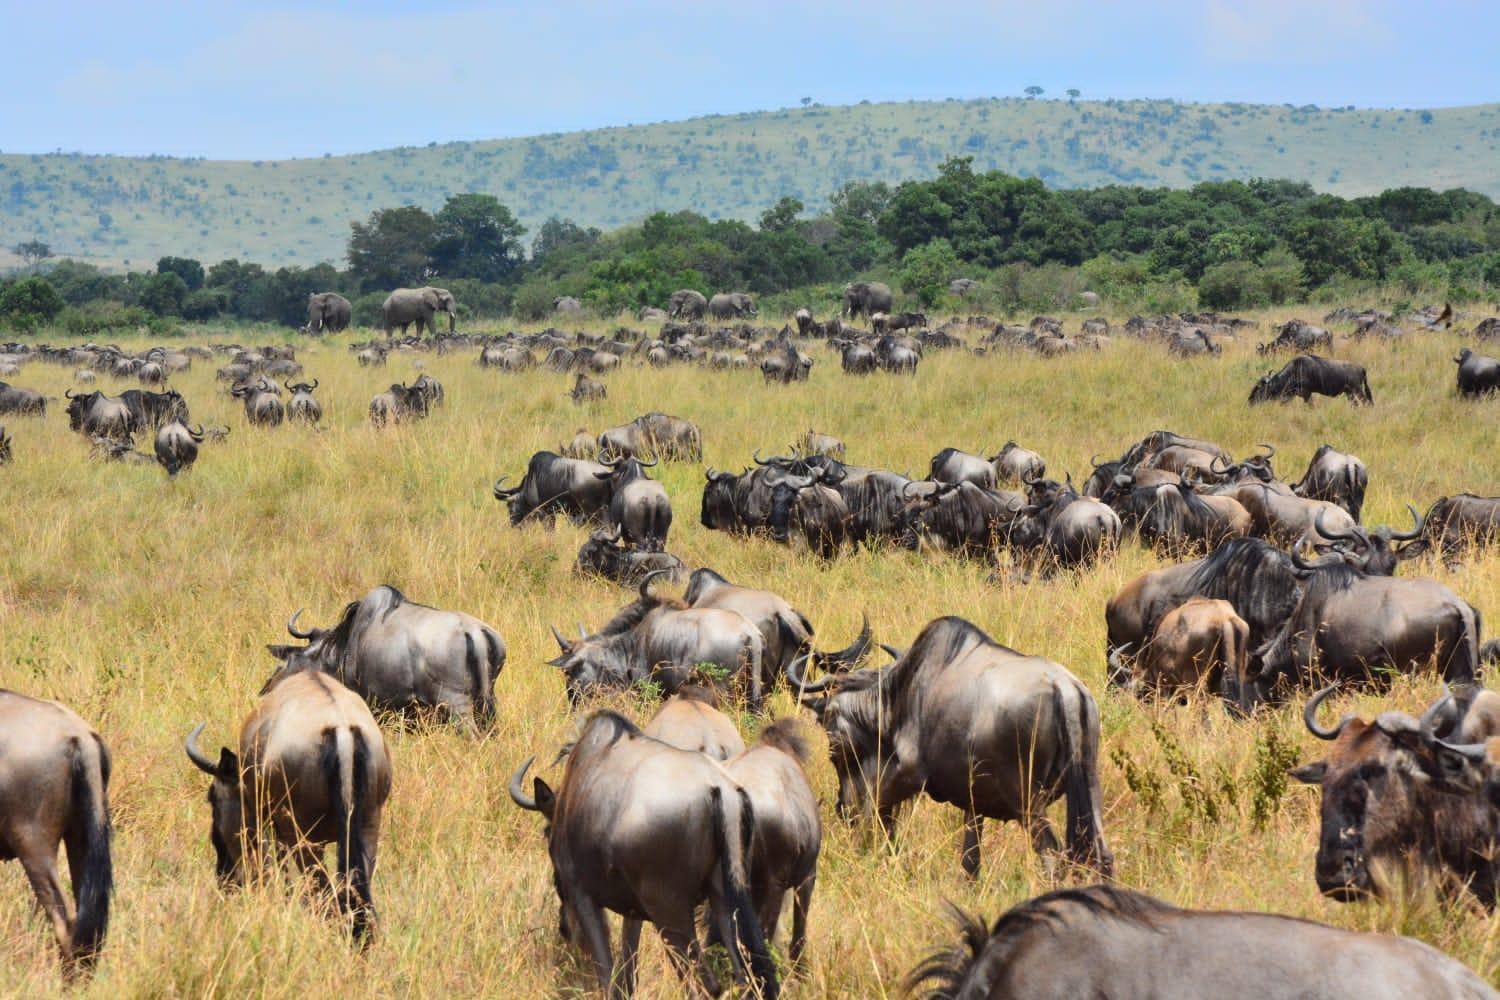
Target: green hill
114, 210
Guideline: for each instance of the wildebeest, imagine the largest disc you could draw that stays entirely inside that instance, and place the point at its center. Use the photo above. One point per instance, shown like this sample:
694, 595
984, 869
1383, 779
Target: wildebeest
153, 410
651, 832
1307, 375
177, 446
587, 390
638, 505
804, 507
814, 443
858, 359
654, 435
1014, 464
662, 640
398, 405
431, 390
1297, 335
1199, 645
691, 720
303, 407
1063, 527
54, 789
404, 657
1455, 522
1106, 941
972, 723
954, 466
604, 554
554, 485
24, 402
312, 770
4, 447
1336, 477
580, 445
738, 503
960, 517
1478, 375
1384, 805
262, 407
1175, 518
97, 415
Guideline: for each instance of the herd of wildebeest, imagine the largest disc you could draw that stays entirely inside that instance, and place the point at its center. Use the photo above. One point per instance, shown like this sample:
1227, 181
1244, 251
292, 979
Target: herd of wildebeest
1281, 588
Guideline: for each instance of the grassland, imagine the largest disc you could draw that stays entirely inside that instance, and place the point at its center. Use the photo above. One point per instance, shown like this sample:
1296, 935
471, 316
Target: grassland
128, 211
146, 604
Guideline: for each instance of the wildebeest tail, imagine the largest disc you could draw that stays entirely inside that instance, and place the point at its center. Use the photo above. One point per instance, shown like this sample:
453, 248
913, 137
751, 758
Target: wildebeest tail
1077, 719
1364, 384
943, 974
346, 768
88, 841
734, 829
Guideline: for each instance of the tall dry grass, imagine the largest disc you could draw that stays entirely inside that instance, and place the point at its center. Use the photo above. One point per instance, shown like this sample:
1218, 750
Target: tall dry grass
146, 605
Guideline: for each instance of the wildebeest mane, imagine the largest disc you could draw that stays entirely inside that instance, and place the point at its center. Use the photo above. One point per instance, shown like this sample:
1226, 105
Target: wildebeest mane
787, 736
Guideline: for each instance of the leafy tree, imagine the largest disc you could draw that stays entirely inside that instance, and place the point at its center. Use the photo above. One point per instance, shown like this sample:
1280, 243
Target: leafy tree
1034, 91
189, 270
475, 236
926, 271
33, 252
30, 302
865, 201
163, 293
781, 216
560, 237
392, 249
1073, 93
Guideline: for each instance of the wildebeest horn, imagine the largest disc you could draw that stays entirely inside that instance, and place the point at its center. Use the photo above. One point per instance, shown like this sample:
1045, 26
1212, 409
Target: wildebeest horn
517, 796
1475, 753
291, 626
1308, 567
1094, 461
315, 383
287, 385
892, 651
645, 589
1270, 450
1416, 532
583, 633
1310, 716
68, 393
563, 643
800, 683
647, 465
756, 457
504, 494
1427, 725
195, 755
710, 473
1213, 466
1322, 530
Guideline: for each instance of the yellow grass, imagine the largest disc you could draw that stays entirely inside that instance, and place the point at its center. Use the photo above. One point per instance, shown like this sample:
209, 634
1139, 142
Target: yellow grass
146, 604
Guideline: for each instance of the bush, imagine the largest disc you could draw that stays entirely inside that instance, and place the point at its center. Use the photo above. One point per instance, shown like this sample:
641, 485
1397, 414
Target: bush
366, 309
101, 317
926, 271
29, 303
533, 301
1234, 284
205, 303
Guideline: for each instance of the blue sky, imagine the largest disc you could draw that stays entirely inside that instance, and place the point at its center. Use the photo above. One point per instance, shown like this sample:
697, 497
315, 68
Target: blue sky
266, 80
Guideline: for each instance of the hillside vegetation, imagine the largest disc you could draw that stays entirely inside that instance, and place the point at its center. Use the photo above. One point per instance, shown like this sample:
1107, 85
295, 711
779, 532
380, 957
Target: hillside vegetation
123, 211
146, 605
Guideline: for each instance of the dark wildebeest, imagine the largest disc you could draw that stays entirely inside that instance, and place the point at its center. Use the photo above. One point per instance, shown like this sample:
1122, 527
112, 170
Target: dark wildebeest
312, 770
972, 723
24, 402
261, 405
858, 359
1199, 645
651, 832
97, 415
153, 410
1336, 477
4, 447
1307, 375
303, 407
587, 390
654, 435
691, 720
877, 504
177, 446
54, 788
1385, 805
1104, 941
954, 466
604, 554
553, 485
788, 828
737, 503
1063, 528
663, 640
398, 405
1176, 518
961, 517
1478, 375
1455, 522
405, 657
1297, 335
638, 505
805, 506
431, 390
1014, 464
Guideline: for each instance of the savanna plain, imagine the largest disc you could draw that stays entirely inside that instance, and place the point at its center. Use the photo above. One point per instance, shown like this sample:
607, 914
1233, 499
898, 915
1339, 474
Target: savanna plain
146, 605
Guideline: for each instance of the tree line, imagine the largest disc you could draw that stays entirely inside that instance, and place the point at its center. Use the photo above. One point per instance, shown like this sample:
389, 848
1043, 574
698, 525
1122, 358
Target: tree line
1219, 245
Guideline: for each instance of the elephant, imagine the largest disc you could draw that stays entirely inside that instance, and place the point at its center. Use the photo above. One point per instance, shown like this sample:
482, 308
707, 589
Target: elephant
731, 305
567, 305
866, 298
406, 306
327, 312
687, 304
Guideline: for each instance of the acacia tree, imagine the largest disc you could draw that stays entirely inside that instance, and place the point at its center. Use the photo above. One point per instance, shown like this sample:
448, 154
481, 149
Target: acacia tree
392, 249
475, 236
33, 252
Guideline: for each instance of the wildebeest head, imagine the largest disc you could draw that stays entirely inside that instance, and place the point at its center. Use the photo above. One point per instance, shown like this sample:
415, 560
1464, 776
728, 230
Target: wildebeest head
1266, 388
848, 707
301, 388
604, 659
226, 831
718, 513
319, 651
1373, 552
79, 405
1256, 467
784, 492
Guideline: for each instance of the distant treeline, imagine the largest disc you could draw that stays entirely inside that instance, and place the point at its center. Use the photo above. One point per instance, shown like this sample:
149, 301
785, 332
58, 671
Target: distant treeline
1223, 245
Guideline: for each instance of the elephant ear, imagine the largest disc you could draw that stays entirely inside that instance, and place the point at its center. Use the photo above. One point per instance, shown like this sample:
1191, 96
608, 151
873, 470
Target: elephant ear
432, 298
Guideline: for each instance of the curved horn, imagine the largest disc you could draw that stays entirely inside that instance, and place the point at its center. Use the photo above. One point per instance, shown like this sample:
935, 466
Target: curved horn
517, 796
504, 494
647, 465
1213, 466
291, 626
1416, 532
710, 473
1474, 753
287, 386
756, 457
1308, 567
800, 683
315, 383
1270, 450
1322, 530
563, 643
891, 651
1310, 716
1428, 723
195, 755
68, 393
645, 589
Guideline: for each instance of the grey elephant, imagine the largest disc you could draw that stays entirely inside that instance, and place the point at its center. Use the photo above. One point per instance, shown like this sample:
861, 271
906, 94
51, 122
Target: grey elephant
567, 305
327, 312
962, 288
406, 306
731, 305
866, 298
687, 304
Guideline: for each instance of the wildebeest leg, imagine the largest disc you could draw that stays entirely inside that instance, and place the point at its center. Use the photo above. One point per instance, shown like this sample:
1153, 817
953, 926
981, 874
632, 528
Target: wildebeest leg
681, 939
307, 860
1044, 841
595, 932
630, 947
801, 904
41, 871
973, 830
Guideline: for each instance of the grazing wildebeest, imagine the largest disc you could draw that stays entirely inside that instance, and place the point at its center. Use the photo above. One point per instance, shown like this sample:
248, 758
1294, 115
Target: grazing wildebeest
587, 390
814, 443
312, 770
1199, 645
691, 720
398, 405
662, 640
604, 554
810, 509
1455, 522
739, 503
153, 410
1014, 464
1478, 374
654, 435
1336, 477
303, 407
1105, 941
262, 407
405, 657
580, 445
97, 415
54, 788
651, 832
972, 723
954, 466
1297, 335
24, 402
1176, 518
960, 517
1384, 806
788, 828
1307, 375
638, 505
431, 390
554, 485
1062, 527
177, 446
